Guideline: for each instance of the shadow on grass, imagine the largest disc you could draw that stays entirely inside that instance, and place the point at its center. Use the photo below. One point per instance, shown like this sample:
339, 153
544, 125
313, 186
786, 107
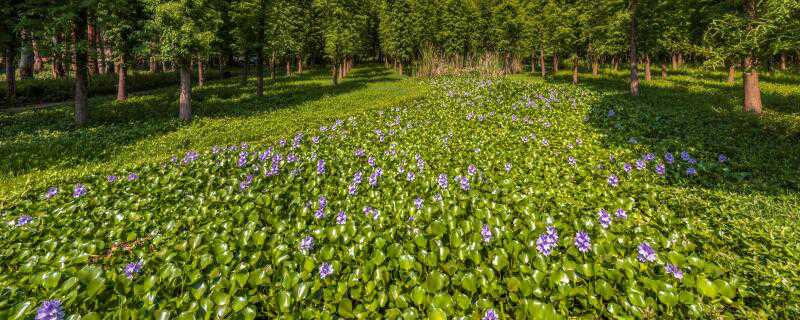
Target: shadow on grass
706, 119
46, 138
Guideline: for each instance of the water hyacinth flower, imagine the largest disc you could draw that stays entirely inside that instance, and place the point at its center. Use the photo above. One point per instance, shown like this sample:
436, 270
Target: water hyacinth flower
132, 176
545, 142
357, 177
420, 163
674, 271
613, 180
298, 138
307, 244
410, 176
111, 179
621, 214
508, 167
490, 315
79, 190
50, 310
547, 241
293, 157
360, 152
611, 113
464, 183
582, 242
437, 197
722, 158
646, 253
315, 139
661, 169
323, 203
604, 218
189, 157
244, 184
486, 234
51, 192
627, 167
691, 171
641, 165
371, 161
321, 166
685, 155
373, 178
443, 183
325, 270
578, 141
418, 203
23, 220
471, 170
669, 158
525, 139
132, 269
572, 161
264, 155
649, 157
341, 218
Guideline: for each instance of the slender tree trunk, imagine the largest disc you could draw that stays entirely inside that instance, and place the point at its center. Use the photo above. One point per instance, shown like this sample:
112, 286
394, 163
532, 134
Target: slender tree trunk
272, 65
186, 90
400, 67
11, 74
575, 70
260, 73
555, 63
541, 62
26, 61
59, 70
595, 66
783, 61
674, 61
680, 59
335, 73
288, 66
37, 57
647, 74
81, 69
201, 75
122, 79
663, 70
299, 58
632, 53
153, 65
752, 90
102, 63
615, 63
92, 37
731, 73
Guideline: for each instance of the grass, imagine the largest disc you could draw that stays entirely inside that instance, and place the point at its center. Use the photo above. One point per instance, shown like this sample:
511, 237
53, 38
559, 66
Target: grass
42, 147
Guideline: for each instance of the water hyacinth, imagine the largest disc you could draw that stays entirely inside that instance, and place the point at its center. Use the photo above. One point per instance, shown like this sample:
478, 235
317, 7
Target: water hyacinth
320, 166
418, 203
572, 161
611, 113
641, 164
471, 170
50, 310
111, 178
420, 162
79, 190
410, 176
661, 169
307, 244
691, 171
649, 157
722, 158
627, 167
23, 220
341, 218
646, 253
371, 161
360, 152
508, 167
464, 183
547, 241
486, 233
315, 139
244, 184
373, 178
443, 183
603, 218
325, 270
582, 241
621, 214
189, 157
437, 197
132, 269
290, 158
674, 271
490, 315
613, 180
132, 176
51, 192
669, 158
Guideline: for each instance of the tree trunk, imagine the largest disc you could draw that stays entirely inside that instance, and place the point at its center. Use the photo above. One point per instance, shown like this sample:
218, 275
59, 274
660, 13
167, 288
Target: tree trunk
680, 59
615, 62
153, 65
783, 61
663, 71
555, 63
335, 73
647, 74
541, 62
400, 67
81, 69
26, 60
575, 70
59, 71
299, 58
11, 74
674, 61
731, 73
122, 79
752, 90
595, 66
260, 73
186, 90
37, 57
632, 50
272, 66
201, 75
102, 63
288, 66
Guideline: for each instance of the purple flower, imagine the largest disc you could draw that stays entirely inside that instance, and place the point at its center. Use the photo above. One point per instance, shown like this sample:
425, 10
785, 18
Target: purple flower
359, 152
293, 157
464, 183
357, 177
604, 218
545, 142
321, 166
640, 164
320, 213
307, 244
341, 218
420, 162
79, 190
627, 167
418, 203
50, 310
298, 138
508, 167
613, 180
578, 141
646, 253
611, 113
443, 181
572, 161
325, 270
486, 234
685, 156
189, 157
621, 214
547, 241
315, 139
244, 184
674, 271
437, 197
649, 157
669, 158
661, 169
282, 142
242, 159
111, 178
471, 170
352, 189
490, 315
51, 192
23, 220
367, 210
132, 269
373, 178
132, 176
691, 171
525, 139
582, 241
410, 176
722, 158
371, 161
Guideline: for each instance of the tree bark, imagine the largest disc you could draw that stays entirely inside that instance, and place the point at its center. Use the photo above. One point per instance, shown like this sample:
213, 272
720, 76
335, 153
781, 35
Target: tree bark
299, 58
59, 71
674, 61
81, 69
400, 67
335, 73
752, 90
575, 70
541, 62
663, 71
122, 79
783, 61
595, 66
731, 73
11, 74
632, 50
26, 60
37, 57
260, 73
615, 62
272, 66
647, 75
555, 63
201, 76
102, 63
186, 90
153, 65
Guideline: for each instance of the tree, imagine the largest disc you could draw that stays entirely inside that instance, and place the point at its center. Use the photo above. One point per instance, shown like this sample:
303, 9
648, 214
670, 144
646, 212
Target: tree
187, 27
342, 21
633, 6
125, 21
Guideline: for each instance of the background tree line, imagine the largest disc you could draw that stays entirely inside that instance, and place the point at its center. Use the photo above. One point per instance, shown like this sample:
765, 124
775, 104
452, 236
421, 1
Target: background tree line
79, 39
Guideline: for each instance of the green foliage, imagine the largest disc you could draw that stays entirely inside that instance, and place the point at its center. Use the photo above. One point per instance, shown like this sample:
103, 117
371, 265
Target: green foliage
186, 28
